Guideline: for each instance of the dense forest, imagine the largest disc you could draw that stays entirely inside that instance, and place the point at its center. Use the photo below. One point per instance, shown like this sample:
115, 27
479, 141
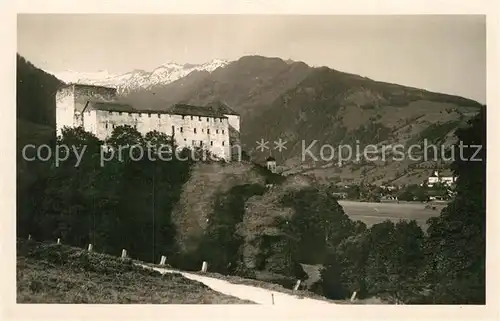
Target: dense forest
128, 204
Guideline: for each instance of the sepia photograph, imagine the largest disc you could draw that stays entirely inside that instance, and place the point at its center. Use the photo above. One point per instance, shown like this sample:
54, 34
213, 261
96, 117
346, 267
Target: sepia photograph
288, 160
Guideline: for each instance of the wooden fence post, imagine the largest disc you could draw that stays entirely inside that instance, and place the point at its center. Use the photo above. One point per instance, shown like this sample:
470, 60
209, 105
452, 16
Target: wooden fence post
124, 253
59, 241
296, 287
163, 260
204, 267
90, 248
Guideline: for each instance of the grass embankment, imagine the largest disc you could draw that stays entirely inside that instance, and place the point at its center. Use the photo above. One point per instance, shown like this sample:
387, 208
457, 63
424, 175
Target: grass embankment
51, 273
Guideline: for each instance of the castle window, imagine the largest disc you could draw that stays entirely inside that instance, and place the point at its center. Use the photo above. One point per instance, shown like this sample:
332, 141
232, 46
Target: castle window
208, 119
195, 130
201, 143
211, 143
216, 131
191, 117
149, 115
106, 125
180, 129
222, 143
113, 126
199, 118
208, 131
202, 130
223, 132
159, 116
185, 140
182, 116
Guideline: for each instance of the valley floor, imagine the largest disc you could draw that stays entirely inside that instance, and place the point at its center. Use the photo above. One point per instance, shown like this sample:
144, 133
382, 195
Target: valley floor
374, 213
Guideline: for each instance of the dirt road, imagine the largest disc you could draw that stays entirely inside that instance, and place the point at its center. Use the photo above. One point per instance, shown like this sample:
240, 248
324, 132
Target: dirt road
246, 292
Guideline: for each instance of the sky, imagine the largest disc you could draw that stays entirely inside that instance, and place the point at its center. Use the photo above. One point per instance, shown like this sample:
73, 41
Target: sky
438, 53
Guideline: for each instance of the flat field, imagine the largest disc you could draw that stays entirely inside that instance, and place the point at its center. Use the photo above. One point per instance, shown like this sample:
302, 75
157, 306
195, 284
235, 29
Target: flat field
373, 213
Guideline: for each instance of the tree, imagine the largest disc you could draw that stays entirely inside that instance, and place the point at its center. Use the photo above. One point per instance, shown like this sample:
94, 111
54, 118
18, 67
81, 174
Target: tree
319, 221
456, 241
63, 199
352, 254
353, 192
125, 203
125, 135
332, 283
395, 260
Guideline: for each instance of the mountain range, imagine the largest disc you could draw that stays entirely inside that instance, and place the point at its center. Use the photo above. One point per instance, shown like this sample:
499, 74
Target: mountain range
300, 104
137, 79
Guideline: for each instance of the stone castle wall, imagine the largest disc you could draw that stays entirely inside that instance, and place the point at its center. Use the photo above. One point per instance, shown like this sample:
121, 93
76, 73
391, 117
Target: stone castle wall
207, 132
212, 133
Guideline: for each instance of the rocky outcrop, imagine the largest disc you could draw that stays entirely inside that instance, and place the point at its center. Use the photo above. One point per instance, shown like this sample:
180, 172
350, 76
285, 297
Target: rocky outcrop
207, 181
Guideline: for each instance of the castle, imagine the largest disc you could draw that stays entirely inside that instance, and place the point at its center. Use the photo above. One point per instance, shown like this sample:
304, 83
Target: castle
214, 127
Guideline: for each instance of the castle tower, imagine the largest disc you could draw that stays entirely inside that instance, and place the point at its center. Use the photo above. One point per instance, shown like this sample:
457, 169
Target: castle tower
233, 120
72, 101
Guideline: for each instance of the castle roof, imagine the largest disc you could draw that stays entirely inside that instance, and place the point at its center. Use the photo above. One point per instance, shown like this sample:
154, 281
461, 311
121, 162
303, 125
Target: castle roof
112, 106
216, 109
222, 108
78, 85
190, 110
179, 109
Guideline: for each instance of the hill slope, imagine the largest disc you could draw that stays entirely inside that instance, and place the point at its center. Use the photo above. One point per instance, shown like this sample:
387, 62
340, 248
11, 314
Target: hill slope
51, 273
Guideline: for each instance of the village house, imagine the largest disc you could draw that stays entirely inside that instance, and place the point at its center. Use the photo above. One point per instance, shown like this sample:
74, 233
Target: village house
271, 164
435, 178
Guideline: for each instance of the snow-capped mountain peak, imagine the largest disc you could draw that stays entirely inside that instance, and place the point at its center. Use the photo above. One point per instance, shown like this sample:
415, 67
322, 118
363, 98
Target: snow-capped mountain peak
75, 76
138, 79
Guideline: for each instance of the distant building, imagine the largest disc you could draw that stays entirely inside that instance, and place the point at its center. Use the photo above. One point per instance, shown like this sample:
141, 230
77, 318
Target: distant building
435, 178
388, 187
339, 195
96, 109
388, 198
